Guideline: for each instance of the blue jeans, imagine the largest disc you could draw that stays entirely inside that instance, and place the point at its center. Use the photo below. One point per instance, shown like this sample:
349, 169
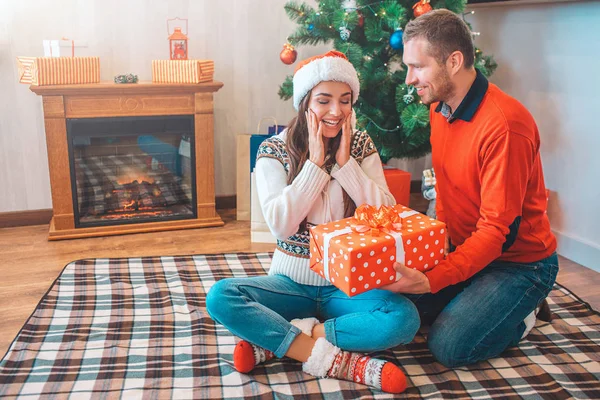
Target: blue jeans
258, 309
478, 319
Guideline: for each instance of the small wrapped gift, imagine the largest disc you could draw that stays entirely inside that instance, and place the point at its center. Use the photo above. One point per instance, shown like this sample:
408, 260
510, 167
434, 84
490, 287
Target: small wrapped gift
357, 254
58, 70
182, 71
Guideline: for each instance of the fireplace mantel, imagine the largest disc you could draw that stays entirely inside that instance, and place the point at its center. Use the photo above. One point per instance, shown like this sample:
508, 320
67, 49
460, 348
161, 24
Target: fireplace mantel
61, 102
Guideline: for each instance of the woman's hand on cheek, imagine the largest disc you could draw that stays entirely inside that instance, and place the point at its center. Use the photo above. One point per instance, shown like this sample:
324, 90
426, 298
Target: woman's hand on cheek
343, 153
316, 148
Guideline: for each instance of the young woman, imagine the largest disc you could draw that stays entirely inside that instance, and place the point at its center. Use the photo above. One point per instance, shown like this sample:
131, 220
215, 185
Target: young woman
316, 171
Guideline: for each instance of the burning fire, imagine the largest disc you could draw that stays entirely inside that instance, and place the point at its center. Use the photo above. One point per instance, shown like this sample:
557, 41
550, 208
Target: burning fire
125, 179
132, 175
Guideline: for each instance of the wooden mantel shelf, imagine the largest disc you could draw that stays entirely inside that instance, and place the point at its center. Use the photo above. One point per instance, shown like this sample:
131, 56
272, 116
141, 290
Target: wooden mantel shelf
125, 88
108, 99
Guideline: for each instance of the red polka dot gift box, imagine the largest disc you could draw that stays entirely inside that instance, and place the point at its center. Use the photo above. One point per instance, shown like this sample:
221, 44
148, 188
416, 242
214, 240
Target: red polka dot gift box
357, 254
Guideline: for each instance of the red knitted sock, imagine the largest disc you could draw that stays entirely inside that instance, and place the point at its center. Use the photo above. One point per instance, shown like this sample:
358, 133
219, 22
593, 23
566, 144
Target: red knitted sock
246, 356
369, 371
326, 360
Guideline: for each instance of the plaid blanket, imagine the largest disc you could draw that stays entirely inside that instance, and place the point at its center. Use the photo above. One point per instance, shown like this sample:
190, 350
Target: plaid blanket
137, 328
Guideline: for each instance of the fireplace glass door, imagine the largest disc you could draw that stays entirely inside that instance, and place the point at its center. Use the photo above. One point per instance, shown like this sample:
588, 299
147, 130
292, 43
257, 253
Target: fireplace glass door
132, 169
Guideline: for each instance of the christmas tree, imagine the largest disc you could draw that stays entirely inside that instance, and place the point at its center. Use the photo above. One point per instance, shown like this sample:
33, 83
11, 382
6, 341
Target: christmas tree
370, 34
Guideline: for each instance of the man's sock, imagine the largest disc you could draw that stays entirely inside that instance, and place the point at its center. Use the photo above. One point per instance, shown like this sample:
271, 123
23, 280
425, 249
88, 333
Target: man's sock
247, 355
327, 360
542, 311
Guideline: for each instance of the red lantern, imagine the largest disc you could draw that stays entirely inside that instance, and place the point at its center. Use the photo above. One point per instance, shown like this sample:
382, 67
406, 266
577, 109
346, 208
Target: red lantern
178, 41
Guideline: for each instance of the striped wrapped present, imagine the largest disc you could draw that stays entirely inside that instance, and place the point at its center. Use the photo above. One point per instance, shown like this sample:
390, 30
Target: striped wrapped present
58, 70
182, 71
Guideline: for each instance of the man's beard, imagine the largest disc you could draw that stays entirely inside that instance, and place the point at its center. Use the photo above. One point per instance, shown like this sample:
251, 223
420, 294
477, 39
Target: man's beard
445, 89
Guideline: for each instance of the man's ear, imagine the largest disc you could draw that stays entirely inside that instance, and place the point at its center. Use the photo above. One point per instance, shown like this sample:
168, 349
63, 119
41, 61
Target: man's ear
455, 62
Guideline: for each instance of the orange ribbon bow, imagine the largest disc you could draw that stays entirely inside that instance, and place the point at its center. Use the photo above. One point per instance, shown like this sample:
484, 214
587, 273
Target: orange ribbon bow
368, 218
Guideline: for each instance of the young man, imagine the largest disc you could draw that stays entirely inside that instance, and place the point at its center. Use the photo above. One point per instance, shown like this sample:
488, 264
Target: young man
490, 193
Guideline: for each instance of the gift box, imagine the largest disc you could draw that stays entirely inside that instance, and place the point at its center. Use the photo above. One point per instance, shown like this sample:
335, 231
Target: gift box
182, 71
58, 70
398, 182
357, 254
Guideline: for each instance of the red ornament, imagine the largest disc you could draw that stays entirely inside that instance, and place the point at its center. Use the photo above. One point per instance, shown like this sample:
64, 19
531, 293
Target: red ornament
361, 20
288, 54
422, 7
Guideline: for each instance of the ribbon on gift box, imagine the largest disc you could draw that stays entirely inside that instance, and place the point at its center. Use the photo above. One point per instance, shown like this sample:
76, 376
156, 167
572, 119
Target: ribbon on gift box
370, 219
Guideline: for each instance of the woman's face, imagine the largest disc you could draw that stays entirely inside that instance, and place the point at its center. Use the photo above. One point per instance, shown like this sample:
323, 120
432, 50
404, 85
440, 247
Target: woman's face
332, 103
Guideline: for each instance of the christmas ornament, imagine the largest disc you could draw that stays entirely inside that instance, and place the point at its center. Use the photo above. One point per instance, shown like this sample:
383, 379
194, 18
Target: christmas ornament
129, 78
421, 8
311, 27
344, 33
409, 98
396, 40
288, 54
361, 19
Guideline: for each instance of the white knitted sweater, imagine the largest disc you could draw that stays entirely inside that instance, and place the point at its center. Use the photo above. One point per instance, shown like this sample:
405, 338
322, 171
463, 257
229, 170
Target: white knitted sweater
315, 194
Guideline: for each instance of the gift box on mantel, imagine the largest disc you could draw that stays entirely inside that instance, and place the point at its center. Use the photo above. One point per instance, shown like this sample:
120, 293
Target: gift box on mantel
182, 71
58, 70
357, 254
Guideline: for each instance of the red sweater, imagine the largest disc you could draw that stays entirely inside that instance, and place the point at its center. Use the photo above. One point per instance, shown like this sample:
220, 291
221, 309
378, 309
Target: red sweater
490, 184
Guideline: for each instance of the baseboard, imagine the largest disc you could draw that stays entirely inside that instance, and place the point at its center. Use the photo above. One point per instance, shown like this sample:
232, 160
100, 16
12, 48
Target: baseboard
43, 217
25, 218
578, 250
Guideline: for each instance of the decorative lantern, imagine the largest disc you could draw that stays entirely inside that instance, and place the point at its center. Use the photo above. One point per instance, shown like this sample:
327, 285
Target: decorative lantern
178, 41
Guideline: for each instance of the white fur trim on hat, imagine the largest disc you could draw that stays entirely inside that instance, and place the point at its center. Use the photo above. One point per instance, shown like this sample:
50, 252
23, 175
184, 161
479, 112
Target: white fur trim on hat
324, 69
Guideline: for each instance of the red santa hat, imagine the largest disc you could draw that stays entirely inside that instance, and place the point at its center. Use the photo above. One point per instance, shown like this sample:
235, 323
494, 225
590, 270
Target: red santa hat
331, 66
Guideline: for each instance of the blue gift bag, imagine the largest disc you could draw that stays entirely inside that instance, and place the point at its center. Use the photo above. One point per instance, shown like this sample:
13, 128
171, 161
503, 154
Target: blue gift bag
257, 138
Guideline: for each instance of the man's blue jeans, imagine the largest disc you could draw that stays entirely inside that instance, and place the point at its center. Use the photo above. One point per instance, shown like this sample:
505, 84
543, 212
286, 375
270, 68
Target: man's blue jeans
259, 309
478, 319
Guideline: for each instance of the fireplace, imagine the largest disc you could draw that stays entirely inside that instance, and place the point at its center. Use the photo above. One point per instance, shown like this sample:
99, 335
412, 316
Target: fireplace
129, 158
131, 169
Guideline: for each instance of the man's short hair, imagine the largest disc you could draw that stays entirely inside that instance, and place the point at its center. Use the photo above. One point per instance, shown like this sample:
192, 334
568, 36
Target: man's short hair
445, 32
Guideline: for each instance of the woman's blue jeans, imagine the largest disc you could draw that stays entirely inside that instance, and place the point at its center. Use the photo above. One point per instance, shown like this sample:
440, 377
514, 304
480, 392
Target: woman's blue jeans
478, 319
258, 309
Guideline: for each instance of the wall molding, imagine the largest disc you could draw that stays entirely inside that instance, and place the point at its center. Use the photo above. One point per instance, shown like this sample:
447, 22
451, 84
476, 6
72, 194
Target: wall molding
43, 216
25, 218
578, 250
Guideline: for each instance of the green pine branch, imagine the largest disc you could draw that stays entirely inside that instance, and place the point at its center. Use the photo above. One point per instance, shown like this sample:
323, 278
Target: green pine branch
286, 90
397, 123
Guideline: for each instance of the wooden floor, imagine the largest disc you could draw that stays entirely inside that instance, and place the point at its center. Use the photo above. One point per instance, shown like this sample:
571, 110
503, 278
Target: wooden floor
29, 263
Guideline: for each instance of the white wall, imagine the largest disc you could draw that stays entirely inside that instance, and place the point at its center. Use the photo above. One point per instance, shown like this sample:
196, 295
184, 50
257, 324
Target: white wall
243, 37
549, 59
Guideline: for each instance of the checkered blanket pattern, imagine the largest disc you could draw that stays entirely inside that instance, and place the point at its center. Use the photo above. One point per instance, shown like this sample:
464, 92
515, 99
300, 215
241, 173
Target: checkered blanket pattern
98, 191
137, 328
